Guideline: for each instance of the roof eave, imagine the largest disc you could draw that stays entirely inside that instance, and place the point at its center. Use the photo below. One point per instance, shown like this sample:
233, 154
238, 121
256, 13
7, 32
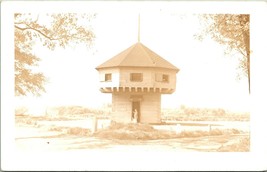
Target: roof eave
105, 67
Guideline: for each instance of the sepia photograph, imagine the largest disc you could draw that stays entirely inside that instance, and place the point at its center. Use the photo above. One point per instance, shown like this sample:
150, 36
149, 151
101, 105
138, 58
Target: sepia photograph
128, 78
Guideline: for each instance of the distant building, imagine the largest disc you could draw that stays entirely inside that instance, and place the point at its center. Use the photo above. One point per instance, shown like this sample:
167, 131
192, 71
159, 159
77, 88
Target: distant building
137, 77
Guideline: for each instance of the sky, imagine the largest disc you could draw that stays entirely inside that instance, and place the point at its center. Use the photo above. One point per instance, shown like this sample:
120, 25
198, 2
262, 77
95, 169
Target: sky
207, 77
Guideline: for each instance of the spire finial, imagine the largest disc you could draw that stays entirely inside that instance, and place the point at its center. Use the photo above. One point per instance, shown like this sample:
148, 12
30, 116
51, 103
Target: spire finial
139, 27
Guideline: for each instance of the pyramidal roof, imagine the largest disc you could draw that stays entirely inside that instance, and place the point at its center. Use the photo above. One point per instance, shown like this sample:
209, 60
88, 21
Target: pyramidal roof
137, 55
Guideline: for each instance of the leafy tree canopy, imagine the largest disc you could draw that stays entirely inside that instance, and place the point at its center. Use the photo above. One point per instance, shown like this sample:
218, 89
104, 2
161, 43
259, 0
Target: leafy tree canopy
233, 31
51, 30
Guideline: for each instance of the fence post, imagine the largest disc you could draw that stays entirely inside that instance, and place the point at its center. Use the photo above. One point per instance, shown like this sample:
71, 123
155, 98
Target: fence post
94, 126
209, 128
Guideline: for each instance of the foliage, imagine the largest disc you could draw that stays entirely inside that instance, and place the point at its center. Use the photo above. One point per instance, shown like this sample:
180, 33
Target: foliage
21, 110
83, 111
130, 131
25, 79
202, 114
233, 31
23, 119
78, 131
242, 145
51, 30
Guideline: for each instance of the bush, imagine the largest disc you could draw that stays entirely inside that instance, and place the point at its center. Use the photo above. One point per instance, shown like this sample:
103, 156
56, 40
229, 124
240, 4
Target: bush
202, 114
72, 130
133, 132
243, 145
25, 120
58, 129
131, 127
216, 132
79, 131
77, 110
147, 132
21, 110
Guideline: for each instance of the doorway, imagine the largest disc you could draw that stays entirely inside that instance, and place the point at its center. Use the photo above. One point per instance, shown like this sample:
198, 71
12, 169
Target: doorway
136, 105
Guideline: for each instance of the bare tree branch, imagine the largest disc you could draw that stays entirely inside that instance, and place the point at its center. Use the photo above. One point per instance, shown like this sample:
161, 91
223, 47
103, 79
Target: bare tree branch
33, 29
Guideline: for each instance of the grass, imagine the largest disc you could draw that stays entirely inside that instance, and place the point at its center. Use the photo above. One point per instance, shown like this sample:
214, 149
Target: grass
142, 132
214, 132
182, 113
122, 131
132, 132
146, 132
33, 122
80, 111
242, 145
77, 131
202, 114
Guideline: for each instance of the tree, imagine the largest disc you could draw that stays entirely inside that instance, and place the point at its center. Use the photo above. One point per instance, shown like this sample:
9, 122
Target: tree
51, 30
233, 31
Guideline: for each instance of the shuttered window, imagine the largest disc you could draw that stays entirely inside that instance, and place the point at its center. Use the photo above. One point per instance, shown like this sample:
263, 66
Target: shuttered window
162, 77
165, 78
136, 77
108, 77
105, 77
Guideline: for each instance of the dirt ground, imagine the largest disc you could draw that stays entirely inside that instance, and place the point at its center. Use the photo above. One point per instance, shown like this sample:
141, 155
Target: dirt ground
45, 143
29, 138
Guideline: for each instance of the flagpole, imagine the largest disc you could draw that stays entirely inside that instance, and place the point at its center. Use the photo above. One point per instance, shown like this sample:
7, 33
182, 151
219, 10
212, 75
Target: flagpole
139, 27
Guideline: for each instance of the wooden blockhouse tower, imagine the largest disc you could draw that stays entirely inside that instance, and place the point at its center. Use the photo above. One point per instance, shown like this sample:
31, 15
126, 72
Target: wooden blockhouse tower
136, 78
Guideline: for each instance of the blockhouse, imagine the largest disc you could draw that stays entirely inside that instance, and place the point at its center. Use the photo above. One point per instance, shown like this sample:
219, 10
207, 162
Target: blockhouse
136, 78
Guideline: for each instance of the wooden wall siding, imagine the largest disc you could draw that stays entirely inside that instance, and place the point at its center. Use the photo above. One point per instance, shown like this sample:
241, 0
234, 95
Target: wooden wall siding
150, 107
149, 78
115, 77
121, 80
121, 107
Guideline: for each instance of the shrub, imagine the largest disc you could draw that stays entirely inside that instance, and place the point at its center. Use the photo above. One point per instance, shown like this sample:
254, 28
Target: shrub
216, 132
243, 145
78, 110
147, 132
25, 120
197, 133
202, 114
53, 128
21, 110
72, 130
79, 131
133, 132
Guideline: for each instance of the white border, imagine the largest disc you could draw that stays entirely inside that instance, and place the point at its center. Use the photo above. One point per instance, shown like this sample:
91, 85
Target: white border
137, 160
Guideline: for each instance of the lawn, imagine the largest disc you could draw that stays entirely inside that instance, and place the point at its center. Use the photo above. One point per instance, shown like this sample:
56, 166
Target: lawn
73, 121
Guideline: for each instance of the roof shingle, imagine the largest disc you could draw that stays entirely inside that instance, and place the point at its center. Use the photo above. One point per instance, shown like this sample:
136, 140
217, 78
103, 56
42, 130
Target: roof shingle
137, 55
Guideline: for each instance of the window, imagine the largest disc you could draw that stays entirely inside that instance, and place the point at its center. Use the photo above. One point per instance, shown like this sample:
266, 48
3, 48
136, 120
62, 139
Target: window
136, 77
108, 77
162, 77
165, 78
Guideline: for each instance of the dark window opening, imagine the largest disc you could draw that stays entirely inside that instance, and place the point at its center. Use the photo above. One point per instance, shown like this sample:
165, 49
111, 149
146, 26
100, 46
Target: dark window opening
165, 78
108, 77
162, 77
136, 77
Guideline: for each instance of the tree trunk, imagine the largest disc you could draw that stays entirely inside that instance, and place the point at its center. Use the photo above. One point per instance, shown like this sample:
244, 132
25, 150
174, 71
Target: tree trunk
246, 39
